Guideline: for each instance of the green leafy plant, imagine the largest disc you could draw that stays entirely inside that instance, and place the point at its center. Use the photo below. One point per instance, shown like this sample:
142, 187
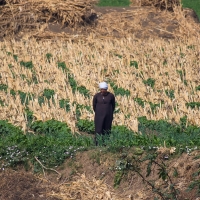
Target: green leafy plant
63, 66
64, 103
170, 93
119, 90
25, 97
193, 105
28, 65
13, 93
134, 63
85, 126
49, 57
3, 87
150, 82
83, 90
197, 87
48, 93
139, 101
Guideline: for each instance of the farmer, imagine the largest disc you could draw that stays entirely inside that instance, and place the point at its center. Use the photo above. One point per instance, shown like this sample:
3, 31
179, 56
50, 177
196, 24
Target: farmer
103, 106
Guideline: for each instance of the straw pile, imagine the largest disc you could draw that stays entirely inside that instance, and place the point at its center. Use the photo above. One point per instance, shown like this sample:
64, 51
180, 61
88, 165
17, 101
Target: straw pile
27, 15
86, 189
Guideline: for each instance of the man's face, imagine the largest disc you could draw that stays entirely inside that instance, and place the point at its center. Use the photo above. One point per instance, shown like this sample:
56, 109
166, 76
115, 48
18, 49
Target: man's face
103, 91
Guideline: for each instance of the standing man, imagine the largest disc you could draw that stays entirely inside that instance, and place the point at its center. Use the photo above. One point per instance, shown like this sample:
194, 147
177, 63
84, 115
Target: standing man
103, 106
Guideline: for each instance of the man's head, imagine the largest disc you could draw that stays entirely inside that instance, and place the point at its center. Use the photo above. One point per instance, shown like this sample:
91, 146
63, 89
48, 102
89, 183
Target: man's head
103, 86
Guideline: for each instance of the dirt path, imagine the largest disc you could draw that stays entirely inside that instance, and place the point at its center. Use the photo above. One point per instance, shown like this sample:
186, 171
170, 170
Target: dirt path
142, 22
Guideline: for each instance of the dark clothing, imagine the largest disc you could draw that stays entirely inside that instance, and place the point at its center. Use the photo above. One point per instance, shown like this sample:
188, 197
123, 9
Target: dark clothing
103, 107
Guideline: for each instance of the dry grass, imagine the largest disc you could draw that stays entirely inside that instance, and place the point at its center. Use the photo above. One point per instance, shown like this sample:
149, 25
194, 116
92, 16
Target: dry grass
86, 189
94, 61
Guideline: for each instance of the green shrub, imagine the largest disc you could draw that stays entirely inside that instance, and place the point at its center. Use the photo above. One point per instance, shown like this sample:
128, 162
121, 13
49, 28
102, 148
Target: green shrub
85, 126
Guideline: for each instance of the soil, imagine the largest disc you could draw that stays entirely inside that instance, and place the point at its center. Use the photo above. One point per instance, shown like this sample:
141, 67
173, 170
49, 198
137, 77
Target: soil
100, 165
142, 22
107, 22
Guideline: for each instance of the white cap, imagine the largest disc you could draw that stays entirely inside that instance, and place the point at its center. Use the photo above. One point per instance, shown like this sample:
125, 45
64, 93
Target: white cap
103, 85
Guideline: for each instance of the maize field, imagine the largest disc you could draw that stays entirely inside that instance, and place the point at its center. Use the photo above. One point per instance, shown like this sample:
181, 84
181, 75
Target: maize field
47, 84
157, 79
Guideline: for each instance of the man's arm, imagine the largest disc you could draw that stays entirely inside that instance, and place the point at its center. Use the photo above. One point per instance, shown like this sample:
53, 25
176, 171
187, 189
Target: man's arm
113, 103
94, 103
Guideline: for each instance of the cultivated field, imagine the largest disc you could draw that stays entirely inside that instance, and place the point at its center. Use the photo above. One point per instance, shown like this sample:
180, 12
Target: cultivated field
157, 79
52, 57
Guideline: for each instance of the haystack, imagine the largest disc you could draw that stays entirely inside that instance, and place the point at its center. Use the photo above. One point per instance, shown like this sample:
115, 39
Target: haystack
30, 15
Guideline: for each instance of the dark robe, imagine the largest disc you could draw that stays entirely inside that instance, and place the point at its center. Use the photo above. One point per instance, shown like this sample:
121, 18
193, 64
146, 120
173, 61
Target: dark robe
103, 107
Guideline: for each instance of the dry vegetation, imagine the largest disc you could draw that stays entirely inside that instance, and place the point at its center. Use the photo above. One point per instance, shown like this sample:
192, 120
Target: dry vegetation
96, 60
105, 51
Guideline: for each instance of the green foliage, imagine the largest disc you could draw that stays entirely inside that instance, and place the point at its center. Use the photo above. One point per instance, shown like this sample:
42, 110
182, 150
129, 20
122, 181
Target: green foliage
1, 102
29, 116
113, 3
40, 100
182, 75
119, 90
52, 142
49, 57
85, 126
3, 87
154, 162
173, 134
84, 91
134, 64
118, 55
28, 65
48, 93
150, 82
64, 103
193, 4
170, 93
198, 87
118, 177
50, 127
79, 107
63, 66
72, 82
154, 106
12, 92
25, 97
139, 101
165, 62
15, 57
193, 105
